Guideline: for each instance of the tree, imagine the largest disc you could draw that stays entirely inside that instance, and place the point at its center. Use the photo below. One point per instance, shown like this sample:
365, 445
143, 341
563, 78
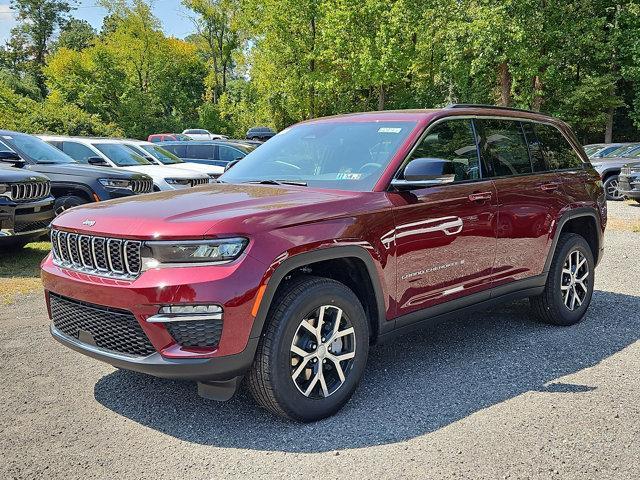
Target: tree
75, 34
39, 21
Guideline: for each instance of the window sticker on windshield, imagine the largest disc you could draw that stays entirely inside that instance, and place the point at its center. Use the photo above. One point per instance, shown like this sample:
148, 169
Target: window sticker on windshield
8, 137
348, 176
389, 130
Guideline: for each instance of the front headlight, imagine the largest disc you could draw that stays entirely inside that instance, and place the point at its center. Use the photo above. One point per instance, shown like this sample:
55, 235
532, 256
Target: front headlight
221, 250
115, 183
178, 181
4, 188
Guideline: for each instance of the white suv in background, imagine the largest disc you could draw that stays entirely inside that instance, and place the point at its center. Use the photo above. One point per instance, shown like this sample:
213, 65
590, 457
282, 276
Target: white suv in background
160, 156
110, 152
202, 134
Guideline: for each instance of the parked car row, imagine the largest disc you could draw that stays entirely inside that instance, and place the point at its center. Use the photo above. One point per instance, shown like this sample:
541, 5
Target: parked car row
255, 134
79, 170
609, 160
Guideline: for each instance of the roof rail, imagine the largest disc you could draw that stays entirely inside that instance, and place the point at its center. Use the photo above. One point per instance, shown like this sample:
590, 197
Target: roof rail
495, 107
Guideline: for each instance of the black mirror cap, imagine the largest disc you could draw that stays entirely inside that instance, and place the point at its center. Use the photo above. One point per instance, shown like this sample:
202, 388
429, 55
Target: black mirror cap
98, 161
429, 169
11, 158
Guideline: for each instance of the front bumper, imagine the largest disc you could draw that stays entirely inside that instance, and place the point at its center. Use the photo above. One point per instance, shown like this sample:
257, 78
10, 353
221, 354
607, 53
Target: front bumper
629, 185
21, 221
198, 369
233, 286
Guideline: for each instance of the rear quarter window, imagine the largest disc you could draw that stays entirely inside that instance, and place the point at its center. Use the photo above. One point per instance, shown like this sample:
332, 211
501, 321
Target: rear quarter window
557, 151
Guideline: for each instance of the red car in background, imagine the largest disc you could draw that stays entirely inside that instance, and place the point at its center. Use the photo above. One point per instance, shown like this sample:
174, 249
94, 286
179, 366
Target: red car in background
336, 234
167, 137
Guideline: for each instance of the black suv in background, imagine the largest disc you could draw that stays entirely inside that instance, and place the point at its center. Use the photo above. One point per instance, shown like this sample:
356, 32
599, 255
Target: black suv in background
26, 204
260, 133
209, 152
72, 183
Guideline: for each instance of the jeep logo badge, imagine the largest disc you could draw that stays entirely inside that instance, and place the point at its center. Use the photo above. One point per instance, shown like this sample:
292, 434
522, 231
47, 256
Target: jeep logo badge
89, 223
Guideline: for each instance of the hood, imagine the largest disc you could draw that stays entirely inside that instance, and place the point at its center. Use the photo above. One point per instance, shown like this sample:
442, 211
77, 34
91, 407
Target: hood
216, 209
81, 170
198, 167
15, 175
162, 171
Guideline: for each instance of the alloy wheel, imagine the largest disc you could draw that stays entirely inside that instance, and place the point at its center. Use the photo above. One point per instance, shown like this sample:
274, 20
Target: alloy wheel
575, 280
613, 189
322, 352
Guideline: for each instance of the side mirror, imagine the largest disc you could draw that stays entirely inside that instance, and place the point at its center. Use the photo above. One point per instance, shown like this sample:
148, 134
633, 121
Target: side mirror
425, 172
97, 161
231, 163
12, 158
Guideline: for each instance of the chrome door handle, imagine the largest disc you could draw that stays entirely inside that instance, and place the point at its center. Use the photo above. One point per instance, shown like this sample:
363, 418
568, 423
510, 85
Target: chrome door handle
548, 187
453, 227
478, 196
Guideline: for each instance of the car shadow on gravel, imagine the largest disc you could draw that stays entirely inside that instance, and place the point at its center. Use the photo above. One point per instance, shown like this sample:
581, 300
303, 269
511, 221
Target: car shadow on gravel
414, 385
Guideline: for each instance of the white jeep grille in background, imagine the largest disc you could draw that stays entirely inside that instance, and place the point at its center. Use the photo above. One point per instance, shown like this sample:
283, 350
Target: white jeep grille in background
198, 181
142, 186
107, 257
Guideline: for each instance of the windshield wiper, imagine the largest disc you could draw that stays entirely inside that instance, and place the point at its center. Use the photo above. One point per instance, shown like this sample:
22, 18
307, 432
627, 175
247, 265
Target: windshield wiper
279, 182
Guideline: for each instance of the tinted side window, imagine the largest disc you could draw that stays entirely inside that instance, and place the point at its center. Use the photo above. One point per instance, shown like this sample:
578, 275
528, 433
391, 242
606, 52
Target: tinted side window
455, 141
503, 147
557, 150
177, 150
200, 151
77, 151
228, 154
535, 148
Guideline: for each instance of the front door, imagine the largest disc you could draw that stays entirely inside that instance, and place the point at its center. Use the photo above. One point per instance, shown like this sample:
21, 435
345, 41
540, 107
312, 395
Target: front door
445, 235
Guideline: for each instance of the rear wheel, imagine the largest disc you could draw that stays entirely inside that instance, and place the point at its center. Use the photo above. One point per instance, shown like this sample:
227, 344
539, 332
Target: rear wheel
612, 188
314, 351
569, 286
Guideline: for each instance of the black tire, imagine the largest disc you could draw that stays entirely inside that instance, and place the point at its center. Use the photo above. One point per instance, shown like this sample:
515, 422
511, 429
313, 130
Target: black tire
270, 378
550, 307
64, 203
611, 185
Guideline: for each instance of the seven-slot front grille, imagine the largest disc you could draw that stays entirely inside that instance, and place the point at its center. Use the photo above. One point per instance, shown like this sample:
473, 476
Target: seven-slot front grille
107, 328
23, 192
198, 181
109, 257
142, 186
626, 171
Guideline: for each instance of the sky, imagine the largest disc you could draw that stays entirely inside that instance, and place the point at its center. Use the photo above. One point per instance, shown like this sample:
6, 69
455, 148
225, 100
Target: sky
174, 17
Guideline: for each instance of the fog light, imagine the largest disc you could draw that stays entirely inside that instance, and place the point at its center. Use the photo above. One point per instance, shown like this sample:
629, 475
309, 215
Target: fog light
191, 309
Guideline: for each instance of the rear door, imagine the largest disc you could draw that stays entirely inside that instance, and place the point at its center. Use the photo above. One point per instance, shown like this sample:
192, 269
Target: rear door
529, 197
445, 235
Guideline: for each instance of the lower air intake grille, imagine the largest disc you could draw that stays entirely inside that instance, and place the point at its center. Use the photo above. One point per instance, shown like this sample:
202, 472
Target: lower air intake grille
115, 330
196, 333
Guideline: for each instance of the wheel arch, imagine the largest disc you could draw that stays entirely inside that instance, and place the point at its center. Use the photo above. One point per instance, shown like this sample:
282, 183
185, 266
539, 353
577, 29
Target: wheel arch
584, 222
368, 289
62, 189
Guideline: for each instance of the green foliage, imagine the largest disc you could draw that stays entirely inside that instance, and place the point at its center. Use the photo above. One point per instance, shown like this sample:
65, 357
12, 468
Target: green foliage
276, 62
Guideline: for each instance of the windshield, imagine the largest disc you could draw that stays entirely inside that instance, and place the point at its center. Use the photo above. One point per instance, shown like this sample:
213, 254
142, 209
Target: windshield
121, 155
165, 156
634, 152
35, 150
338, 155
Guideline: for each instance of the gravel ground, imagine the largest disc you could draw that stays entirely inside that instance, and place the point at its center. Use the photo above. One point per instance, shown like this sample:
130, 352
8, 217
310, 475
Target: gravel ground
492, 395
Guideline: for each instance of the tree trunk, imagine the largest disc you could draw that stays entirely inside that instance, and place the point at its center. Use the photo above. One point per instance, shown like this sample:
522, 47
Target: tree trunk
505, 81
381, 97
536, 104
608, 132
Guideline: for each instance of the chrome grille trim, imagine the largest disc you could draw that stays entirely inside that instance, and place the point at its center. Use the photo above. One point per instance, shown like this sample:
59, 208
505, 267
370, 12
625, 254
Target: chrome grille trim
142, 186
198, 181
102, 256
29, 191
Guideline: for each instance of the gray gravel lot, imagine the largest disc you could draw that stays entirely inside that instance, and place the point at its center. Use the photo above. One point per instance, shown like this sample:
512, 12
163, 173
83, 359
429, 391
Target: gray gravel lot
491, 395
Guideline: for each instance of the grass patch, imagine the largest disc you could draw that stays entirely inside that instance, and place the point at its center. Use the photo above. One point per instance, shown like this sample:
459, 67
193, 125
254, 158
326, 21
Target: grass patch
20, 271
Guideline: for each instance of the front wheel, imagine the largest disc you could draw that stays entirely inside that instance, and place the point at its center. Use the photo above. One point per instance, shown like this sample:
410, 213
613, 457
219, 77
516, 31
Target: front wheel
569, 286
314, 350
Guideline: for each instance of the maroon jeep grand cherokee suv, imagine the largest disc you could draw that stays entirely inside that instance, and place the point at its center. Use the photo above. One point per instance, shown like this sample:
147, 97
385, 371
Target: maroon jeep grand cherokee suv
336, 234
